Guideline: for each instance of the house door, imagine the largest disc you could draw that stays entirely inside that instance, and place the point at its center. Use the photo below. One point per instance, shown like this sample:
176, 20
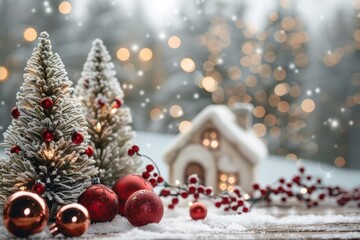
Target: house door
195, 168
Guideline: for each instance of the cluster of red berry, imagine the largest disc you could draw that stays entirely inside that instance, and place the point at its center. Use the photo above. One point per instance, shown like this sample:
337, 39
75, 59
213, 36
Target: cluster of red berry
304, 188
233, 201
152, 176
193, 188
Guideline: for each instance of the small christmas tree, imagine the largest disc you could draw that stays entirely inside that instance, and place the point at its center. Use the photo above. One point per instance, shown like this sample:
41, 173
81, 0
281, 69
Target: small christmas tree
108, 121
47, 139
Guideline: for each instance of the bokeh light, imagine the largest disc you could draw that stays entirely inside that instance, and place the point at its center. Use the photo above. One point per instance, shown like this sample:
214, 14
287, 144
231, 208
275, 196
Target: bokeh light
145, 54
4, 73
187, 64
30, 34
123, 54
308, 105
65, 7
174, 42
185, 126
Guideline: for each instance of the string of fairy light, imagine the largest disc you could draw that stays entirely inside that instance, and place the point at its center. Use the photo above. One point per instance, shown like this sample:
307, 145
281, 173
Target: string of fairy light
254, 69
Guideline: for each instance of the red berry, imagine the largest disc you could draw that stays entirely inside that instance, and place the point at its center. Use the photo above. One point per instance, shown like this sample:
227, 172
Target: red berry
175, 201
38, 188
240, 203
153, 182
130, 152
160, 179
15, 113
217, 204
171, 206
15, 149
196, 195
309, 177
192, 189
149, 167
155, 174
77, 137
184, 194
226, 209
302, 170
322, 196
282, 180
256, 186
283, 199
135, 148
237, 192
208, 190
193, 180
145, 175
225, 200
47, 135
201, 189
47, 103
234, 208
263, 192
165, 192
245, 209
289, 185
318, 181
117, 103
89, 151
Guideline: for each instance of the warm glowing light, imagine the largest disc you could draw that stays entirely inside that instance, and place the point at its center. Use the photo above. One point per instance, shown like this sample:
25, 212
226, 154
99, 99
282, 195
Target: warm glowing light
214, 144
190, 204
222, 186
281, 89
246, 196
4, 73
49, 153
230, 188
308, 105
22, 188
98, 127
30, 34
27, 211
292, 156
231, 180
174, 42
113, 110
340, 162
187, 64
209, 84
259, 111
206, 142
176, 111
303, 190
145, 54
184, 126
156, 114
177, 182
74, 219
65, 7
123, 54
223, 177
259, 129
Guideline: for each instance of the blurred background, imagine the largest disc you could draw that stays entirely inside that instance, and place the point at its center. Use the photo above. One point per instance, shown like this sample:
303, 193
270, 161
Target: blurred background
298, 62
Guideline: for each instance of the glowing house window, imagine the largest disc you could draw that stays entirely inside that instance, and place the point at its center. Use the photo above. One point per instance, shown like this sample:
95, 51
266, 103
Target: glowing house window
227, 181
211, 139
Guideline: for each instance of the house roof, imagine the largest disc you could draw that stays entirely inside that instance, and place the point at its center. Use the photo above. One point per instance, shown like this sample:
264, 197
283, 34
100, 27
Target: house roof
225, 122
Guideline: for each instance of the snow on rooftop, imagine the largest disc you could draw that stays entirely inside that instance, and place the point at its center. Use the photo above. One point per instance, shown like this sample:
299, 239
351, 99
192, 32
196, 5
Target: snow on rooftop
225, 122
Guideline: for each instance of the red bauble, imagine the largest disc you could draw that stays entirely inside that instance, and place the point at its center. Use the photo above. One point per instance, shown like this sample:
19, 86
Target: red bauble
101, 202
15, 113
144, 207
198, 211
47, 103
77, 137
89, 151
47, 135
117, 103
38, 188
126, 186
15, 149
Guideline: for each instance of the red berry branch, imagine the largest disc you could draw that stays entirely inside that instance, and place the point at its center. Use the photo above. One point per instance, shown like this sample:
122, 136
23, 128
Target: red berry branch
301, 188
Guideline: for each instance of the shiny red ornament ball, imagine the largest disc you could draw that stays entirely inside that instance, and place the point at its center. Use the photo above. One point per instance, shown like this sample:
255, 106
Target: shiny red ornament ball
77, 137
144, 207
47, 103
15, 149
47, 135
38, 188
198, 211
15, 113
89, 151
127, 185
117, 103
101, 202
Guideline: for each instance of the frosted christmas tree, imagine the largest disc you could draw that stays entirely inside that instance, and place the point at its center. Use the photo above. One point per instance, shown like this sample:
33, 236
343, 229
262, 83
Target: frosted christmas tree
46, 142
108, 120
